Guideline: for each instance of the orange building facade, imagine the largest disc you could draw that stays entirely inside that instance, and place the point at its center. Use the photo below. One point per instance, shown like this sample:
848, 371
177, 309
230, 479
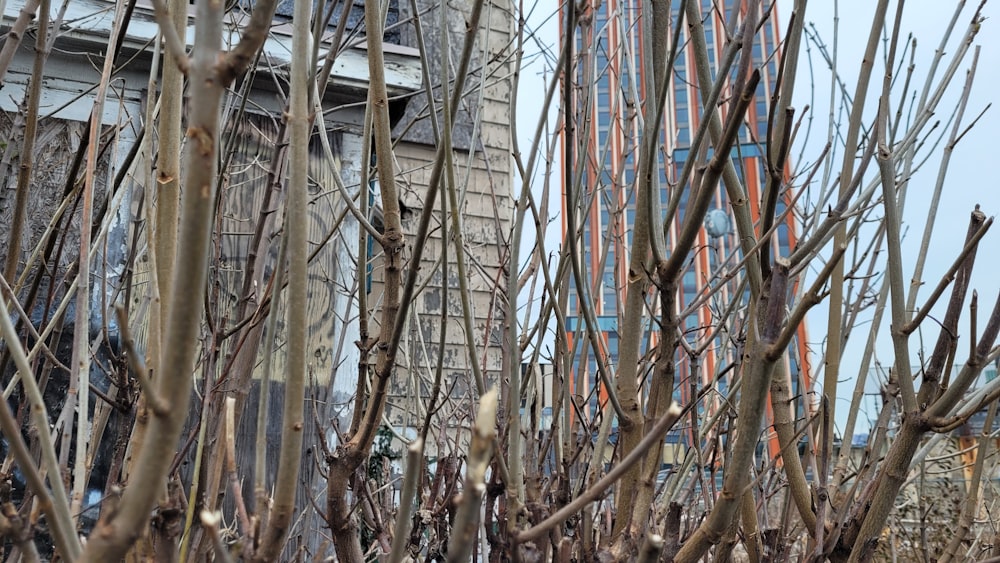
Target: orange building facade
610, 70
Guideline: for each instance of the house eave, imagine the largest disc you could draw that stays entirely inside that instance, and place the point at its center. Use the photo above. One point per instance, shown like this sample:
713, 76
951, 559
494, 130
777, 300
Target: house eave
90, 23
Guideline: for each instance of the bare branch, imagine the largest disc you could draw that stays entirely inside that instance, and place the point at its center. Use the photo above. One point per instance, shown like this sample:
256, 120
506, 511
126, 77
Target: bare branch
480, 452
597, 489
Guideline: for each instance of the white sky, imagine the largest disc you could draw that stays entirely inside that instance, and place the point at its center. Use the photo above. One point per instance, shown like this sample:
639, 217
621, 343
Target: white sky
968, 182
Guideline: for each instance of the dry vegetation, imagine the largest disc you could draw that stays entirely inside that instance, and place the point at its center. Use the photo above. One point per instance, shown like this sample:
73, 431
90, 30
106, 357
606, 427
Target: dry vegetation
138, 377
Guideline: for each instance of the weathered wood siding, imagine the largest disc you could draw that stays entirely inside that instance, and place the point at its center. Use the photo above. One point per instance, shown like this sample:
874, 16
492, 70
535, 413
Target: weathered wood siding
483, 171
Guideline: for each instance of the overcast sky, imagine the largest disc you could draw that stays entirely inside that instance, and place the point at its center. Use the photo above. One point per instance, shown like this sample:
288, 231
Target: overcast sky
970, 179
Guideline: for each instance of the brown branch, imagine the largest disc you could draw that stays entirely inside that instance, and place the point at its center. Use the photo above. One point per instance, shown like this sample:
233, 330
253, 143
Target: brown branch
862, 536
210, 522
135, 362
55, 506
776, 172
414, 460
652, 546
894, 264
753, 397
434, 182
14, 36
254, 35
973, 366
33, 94
806, 249
948, 336
781, 404
348, 456
970, 246
480, 452
19, 531
112, 538
297, 228
695, 213
735, 190
943, 425
597, 489
171, 28
835, 340
970, 505
813, 296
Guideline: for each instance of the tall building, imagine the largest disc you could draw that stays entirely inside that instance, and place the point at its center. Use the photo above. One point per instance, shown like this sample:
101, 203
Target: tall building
611, 88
